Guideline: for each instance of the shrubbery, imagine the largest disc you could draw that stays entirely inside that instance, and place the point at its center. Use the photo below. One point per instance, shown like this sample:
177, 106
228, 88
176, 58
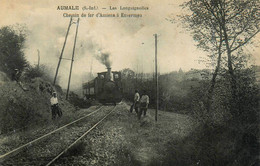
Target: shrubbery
33, 72
175, 89
77, 101
228, 134
42, 71
12, 41
25, 89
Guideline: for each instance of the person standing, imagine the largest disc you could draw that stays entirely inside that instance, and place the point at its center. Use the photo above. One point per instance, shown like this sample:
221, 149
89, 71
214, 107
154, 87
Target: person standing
136, 101
54, 105
135, 104
16, 75
144, 101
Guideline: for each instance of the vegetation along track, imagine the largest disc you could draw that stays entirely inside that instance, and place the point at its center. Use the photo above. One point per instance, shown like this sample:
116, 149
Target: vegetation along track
46, 151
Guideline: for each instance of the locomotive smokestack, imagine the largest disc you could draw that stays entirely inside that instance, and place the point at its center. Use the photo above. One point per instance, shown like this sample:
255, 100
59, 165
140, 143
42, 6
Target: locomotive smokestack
109, 73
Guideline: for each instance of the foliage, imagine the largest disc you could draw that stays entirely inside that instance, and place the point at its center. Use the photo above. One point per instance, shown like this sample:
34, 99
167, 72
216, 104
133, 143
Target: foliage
212, 22
128, 83
229, 102
12, 41
223, 138
20, 109
33, 72
175, 88
77, 101
223, 27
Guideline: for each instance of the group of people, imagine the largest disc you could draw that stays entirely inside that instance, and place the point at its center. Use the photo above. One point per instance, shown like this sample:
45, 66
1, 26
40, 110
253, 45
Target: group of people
140, 105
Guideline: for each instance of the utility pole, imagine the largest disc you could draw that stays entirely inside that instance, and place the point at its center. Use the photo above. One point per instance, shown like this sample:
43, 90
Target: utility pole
90, 74
38, 58
72, 59
142, 74
156, 78
57, 70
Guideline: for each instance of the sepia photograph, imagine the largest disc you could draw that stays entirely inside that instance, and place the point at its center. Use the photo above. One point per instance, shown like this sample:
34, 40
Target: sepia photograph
129, 83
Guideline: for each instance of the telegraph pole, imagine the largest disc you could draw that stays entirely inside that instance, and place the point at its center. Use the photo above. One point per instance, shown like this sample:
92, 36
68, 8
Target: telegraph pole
72, 59
57, 70
90, 74
38, 58
156, 78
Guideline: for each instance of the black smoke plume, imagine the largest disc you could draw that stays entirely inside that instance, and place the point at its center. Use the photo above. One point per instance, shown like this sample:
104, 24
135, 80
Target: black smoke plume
104, 59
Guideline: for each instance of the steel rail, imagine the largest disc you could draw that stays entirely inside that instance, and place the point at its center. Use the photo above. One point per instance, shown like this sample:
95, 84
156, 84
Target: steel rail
31, 142
64, 151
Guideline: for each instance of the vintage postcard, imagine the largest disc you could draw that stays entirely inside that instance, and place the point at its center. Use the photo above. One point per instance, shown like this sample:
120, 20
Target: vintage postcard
129, 82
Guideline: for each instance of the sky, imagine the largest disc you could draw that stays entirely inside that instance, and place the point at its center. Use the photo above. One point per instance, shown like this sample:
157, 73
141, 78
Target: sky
130, 42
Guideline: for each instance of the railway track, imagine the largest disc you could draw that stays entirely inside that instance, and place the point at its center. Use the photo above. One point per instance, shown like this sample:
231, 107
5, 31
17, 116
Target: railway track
43, 151
22, 137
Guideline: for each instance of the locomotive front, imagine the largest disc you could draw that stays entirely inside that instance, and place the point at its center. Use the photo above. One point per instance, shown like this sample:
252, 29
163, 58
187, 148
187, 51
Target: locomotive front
106, 87
110, 83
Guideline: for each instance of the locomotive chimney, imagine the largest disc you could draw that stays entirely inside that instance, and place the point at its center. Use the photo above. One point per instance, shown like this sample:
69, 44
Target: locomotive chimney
109, 74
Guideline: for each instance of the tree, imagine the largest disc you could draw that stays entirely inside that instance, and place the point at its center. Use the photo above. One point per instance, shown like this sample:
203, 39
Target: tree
223, 27
12, 41
127, 73
128, 84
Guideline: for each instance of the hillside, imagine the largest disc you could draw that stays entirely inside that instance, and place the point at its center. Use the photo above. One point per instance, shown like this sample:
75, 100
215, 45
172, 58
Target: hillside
27, 104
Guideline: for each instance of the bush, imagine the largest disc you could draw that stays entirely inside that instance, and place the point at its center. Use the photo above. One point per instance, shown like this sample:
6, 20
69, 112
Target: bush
230, 121
175, 89
41, 71
12, 40
77, 101
228, 134
33, 72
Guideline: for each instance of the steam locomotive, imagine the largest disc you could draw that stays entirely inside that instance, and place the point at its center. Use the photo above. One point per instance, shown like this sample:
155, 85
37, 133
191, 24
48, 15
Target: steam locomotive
106, 87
